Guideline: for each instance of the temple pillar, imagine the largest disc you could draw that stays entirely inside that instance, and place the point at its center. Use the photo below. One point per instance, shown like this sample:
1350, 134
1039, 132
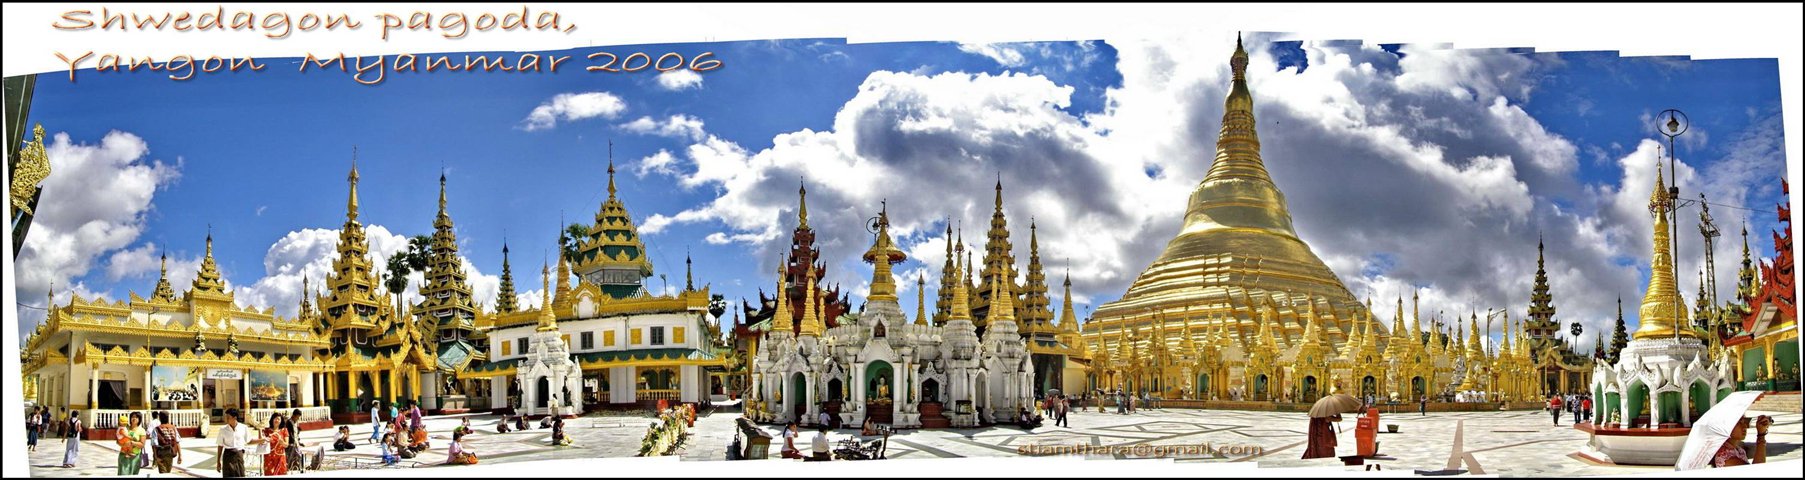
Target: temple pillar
93, 387
1686, 406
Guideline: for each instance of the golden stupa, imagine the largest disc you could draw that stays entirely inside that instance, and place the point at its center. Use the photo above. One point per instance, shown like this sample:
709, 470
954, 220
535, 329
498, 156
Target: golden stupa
1237, 252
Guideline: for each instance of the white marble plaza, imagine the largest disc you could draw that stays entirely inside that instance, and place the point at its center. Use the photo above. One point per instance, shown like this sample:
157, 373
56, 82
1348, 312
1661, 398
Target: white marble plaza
1505, 443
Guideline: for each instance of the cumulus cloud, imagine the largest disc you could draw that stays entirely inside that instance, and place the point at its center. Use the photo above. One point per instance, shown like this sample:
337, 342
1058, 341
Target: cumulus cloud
74, 225
146, 261
573, 106
309, 253
678, 126
680, 79
1418, 172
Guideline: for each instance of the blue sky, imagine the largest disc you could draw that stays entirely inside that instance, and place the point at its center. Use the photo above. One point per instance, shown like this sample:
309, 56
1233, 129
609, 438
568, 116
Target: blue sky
1099, 141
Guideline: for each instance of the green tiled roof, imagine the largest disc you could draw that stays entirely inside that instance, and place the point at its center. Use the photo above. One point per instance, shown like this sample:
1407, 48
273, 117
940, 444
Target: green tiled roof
452, 355
645, 354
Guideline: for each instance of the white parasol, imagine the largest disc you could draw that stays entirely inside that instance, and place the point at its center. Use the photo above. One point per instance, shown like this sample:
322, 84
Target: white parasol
1712, 429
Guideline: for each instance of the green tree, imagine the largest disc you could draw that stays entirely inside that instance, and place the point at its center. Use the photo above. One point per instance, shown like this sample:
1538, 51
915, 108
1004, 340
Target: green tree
572, 239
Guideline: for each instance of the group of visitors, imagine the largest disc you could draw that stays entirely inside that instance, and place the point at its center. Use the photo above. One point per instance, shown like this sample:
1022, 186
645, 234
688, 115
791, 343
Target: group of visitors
41, 424
1125, 402
1580, 405
820, 449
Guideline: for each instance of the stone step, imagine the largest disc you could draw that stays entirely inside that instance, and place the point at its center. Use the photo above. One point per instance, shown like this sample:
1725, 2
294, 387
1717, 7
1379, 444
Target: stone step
1778, 402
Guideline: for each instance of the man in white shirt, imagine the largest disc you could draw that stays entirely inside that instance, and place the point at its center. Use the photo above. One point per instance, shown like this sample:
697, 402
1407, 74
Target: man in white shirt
233, 437
819, 445
150, 441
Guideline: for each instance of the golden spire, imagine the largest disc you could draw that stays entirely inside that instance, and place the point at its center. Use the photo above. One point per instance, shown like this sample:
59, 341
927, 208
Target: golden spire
811, 321
1002, 306
881, 255
163, 293
1416, 320
563, 267
351, 205
921, 299
611, 189
780, 318
442, 213
1661, 313
689, 276
943, 303
802, 206
961, 298
547, 321
208, 279
1034, 296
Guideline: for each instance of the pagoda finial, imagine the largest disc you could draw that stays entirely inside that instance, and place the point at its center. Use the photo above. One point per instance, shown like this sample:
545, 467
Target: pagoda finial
999, 202
780, 317
961, 298
1661, 314
802, 205
689, 276
882, 254
921, 299
611, 189
1067, 319
811, 320
1238, 61
505, 297
351, 204
547, 321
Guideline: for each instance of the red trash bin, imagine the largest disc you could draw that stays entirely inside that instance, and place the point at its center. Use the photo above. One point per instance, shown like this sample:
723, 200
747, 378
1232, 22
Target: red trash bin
1366, 433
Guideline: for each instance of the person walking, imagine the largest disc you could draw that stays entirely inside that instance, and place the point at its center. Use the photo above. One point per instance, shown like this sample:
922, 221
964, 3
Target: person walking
1554, 406
1060, 409
375, 420
32, 423
1585, 408
150, 440
1422, 405
169, 444
72, 445
131, 445
233, 438
416, 421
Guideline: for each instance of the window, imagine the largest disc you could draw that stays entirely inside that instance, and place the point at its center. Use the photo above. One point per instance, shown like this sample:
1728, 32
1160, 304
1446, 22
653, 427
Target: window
657, 335
588, 340
520, 344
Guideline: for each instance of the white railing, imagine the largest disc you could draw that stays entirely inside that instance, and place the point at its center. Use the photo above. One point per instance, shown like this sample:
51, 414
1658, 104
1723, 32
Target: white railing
115, 418
259, 417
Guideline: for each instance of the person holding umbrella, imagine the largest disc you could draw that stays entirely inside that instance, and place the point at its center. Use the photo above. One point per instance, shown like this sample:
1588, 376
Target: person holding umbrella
1716, 437
1321, 438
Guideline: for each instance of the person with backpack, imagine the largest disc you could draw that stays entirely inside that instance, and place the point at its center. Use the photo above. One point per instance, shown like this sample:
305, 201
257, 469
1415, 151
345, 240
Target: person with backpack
168, 450
72, 446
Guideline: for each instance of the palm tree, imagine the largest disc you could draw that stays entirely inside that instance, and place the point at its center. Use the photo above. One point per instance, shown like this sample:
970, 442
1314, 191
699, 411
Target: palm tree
405, 262
574, 235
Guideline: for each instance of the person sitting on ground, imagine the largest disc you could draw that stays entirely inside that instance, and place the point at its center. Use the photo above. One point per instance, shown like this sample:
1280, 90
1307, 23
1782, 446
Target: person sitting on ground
870, 427
559, 439
398, 442
546, 422
459, 455
1733, 453
789, 442
501, 426
342, 441
418, 441
463, 428
819, 447
389, 456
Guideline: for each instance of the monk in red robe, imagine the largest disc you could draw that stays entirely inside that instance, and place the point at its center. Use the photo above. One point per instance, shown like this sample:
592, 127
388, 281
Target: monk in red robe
1321, 440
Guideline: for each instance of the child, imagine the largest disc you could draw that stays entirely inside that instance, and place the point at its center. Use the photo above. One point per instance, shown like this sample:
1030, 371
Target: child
558, 437
343, 441
458, 454
463, 429
388, 454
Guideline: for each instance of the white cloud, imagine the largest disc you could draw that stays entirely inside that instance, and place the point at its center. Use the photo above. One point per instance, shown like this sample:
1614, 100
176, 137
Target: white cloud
310, 252
94, 203
1420, 173
1006, 55
680, 79
571, 107
678, 126
662, 163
